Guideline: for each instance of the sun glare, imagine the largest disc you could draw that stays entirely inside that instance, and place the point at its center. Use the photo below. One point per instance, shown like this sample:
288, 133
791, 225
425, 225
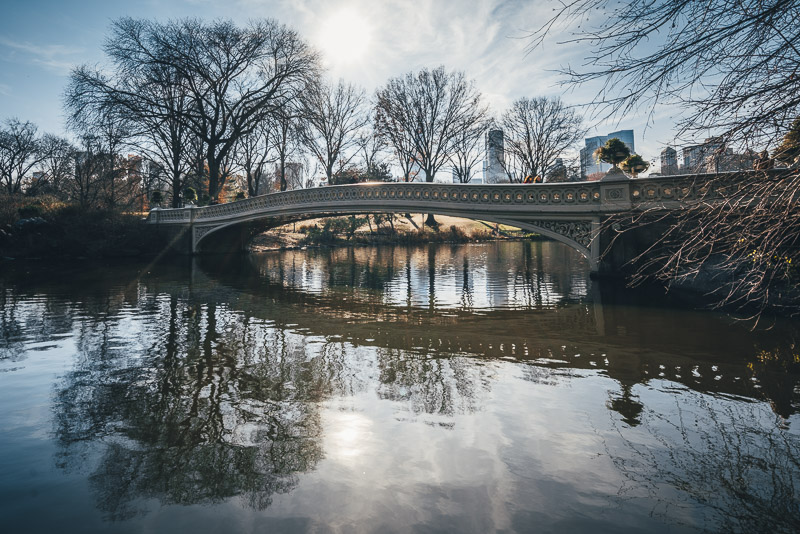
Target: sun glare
344, 37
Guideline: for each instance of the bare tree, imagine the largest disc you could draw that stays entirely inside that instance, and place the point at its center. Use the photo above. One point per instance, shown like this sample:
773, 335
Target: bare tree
57, 164
429, 108
372, 147
285, 138
537, 131
197, 176
236, 76
219, 81
19, 153
465, 153
252, 154
143, 90
733, 66
332, 117
401, 144
91, 159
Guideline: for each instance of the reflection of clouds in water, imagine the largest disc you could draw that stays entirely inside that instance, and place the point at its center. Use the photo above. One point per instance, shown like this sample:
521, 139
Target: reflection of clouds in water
347, 437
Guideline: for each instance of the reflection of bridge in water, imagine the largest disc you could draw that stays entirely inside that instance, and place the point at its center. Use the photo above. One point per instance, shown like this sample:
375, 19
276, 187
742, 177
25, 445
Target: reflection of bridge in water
589, 329
571, 213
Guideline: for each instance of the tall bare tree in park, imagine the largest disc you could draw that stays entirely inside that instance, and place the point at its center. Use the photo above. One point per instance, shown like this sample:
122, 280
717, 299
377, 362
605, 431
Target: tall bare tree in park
401, 144
147, 93
252, 154
237, 77
105, 133
429, 109
465, 149
537, 131
19, 154
732, 66
57, 165
372, 149
284, 128
216, 79
333, 114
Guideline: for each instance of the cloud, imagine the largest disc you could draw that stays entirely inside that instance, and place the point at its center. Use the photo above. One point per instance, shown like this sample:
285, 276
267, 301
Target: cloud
55, 57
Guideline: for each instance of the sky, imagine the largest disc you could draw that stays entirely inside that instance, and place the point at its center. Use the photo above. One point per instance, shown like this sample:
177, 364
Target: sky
361, 41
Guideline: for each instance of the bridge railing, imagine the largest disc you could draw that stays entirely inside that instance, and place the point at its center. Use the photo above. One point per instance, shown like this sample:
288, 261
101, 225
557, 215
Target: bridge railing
456, 196
584, 197
685, 189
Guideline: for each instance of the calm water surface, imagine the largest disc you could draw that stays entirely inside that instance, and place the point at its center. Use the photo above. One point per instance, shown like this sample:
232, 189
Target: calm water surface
442, 388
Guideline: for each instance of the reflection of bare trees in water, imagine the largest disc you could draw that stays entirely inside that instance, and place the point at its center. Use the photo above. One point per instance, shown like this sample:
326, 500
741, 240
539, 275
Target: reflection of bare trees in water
213, 409
204, 404
726, 464
436, 386
29, 318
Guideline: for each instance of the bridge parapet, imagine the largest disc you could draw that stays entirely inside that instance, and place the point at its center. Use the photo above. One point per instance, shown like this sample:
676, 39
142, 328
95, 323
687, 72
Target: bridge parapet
571, 212
573, 196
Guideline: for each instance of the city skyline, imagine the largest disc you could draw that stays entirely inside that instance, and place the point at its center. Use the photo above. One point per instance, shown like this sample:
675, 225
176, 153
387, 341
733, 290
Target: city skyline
359, 42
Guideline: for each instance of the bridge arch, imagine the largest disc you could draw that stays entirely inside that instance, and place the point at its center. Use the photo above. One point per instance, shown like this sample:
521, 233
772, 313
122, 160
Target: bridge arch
572, 232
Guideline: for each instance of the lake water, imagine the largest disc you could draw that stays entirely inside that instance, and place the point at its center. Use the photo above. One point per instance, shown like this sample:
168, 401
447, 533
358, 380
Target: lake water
442, 388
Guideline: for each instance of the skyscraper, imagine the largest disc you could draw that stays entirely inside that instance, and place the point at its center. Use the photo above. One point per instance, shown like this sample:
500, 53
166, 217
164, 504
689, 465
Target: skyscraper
493, 170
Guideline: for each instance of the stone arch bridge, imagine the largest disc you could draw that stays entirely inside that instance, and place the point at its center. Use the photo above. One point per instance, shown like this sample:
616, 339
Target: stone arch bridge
572, 213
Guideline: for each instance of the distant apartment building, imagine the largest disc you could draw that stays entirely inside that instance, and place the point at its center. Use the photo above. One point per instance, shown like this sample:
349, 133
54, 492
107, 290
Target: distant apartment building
493, 164
710, 156
589, 165
669, 161
714, 156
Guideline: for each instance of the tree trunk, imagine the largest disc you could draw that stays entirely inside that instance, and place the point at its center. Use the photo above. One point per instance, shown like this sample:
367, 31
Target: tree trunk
176, 188
284, 184
214, 184
430, 221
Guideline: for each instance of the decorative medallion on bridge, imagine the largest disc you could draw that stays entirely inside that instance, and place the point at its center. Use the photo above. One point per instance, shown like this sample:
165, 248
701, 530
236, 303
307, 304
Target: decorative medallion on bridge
614, 193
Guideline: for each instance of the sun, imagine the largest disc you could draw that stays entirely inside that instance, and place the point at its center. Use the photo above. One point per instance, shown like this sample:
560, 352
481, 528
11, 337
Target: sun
344, 37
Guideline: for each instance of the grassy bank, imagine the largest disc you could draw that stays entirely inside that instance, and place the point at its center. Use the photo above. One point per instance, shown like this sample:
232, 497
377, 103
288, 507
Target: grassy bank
49, 229
343, 231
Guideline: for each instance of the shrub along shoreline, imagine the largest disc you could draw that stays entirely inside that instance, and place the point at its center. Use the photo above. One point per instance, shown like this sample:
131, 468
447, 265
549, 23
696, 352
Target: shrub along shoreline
42, 228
